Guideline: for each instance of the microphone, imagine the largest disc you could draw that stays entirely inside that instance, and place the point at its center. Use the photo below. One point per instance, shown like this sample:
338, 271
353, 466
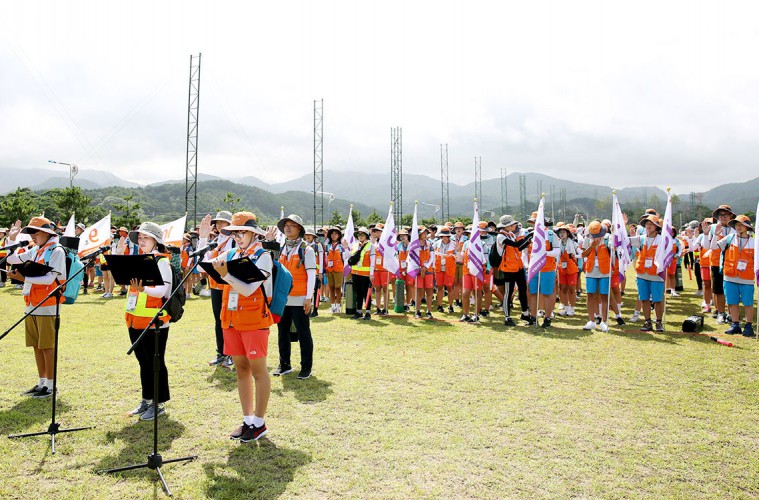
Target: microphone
203, 250
97, 252
13, 247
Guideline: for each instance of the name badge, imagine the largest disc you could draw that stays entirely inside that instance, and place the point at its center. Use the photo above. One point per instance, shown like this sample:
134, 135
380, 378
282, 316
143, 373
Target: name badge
563, 265
403, 264
232, 301
742, 265
649, 263
132, 301
330, 263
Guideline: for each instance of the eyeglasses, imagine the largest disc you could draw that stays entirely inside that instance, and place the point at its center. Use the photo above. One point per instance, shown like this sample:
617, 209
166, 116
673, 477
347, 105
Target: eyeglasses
237, 234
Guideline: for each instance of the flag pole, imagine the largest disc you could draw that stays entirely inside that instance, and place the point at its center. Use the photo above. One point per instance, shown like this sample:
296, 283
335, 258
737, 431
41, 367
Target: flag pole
537, 296
613, 258
664, 296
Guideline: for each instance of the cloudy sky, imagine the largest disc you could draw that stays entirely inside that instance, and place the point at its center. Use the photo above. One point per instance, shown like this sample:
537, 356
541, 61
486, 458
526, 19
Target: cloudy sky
619, 93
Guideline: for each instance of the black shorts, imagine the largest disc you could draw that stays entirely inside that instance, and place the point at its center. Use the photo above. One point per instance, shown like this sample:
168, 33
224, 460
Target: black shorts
717, 281
499, 279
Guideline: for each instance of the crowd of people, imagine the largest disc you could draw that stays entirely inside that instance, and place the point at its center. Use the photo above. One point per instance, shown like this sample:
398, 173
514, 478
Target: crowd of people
353, 278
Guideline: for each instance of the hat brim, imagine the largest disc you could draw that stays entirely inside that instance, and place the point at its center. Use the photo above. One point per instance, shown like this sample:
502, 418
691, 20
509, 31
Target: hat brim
133, 237
221, 219
600, 234
365, 233
733, 222
225, 231
714, 214
282, 222
34, 229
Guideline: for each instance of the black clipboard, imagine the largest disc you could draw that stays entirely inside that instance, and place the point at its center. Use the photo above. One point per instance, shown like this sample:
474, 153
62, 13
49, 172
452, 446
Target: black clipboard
125, 268
243, 269
31, 269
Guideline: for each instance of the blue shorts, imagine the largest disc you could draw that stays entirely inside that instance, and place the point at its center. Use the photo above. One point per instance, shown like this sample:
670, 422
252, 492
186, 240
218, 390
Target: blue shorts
547, 283
737, 293
597, 285
98, 272
650, 290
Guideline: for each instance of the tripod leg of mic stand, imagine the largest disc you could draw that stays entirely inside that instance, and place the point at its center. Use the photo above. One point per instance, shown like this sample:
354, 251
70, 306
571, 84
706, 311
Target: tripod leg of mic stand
163, 482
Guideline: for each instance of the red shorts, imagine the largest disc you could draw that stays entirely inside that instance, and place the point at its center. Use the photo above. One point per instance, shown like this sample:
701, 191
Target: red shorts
672, 269
471, 282
706, 273
568, 279
442, 279
252, 344
615, 279
381, 278
408, 279
426, 282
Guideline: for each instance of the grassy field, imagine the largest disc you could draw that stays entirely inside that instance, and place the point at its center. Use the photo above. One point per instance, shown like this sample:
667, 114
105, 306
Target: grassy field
398, 408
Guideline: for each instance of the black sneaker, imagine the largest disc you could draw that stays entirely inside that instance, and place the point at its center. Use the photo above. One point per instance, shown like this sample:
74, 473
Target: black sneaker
485, 313
440, 309
417, 315
378, 312
450, 309
465, 319
219, 359
659, 326
253, 433
735, 329
304, 374
240, 431
546, 323
151, 413
122, 292
473, 319
357, 315
509, 322
412, 303
43, 393
384, 312
525, 316
142, 408
748, 330
429, 315
32, 391
314, 313
531, 321
647, 326
367, 316
406, 309
282, 370
620, 321
598, 320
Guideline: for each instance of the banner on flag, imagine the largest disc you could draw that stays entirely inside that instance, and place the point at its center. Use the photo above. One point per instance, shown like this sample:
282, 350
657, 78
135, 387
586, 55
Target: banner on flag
173, 232
413, 257
538, 253
621, 240
474, 249
69, 231
279, 235
95, 236
387, 242
665, 252
348, 238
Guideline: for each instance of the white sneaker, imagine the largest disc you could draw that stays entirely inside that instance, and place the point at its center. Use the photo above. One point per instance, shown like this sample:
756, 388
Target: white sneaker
571, 311
604, 327
635, 317
699, 293
205, 292
721, 318
564, 312
675, 294
590, 325
541, 313
560, 307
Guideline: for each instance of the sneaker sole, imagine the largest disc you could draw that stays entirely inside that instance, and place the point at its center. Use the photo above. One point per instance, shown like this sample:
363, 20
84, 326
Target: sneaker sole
151, 419
255, 438
282, 373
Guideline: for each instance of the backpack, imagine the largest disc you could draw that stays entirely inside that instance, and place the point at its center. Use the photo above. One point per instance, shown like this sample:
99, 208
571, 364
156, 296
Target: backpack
494, 257
356, 256
281, 285
73, 266
175, 305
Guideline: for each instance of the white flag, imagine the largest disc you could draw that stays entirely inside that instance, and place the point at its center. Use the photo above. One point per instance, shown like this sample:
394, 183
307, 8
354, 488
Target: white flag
538, 253
69, 231
665, 251
96, 236
280, 236
413, 258
173, 232
756, 247
621, 240
387, 243
348, 238
474, 251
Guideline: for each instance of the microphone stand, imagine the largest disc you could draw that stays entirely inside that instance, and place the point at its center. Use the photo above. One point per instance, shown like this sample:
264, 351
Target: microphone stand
54, 427
155, 460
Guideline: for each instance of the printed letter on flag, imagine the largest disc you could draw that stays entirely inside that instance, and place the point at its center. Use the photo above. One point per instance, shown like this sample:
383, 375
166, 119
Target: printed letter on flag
538, 254
96, 236
174, 231
413, 263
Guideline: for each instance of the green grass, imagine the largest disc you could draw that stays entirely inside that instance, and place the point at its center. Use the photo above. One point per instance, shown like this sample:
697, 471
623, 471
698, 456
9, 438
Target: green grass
398, 408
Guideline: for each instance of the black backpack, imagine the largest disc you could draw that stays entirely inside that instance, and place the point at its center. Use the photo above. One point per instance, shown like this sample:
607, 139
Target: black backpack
494, 257
175, 306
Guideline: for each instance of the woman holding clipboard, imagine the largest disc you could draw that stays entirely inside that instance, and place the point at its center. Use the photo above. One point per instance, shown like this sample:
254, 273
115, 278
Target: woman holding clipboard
143, 302
246, 319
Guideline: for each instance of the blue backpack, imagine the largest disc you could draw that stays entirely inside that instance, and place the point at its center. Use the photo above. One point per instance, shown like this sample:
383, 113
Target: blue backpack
73, 265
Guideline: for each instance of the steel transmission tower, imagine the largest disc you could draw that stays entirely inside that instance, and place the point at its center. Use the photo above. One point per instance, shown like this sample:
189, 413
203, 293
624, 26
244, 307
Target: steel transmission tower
396, 173
478, 179
191, 159
318, 164
522, 196
563, 203
444, 205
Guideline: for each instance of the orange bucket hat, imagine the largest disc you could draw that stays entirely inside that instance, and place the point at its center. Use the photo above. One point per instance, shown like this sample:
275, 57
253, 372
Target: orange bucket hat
39, 224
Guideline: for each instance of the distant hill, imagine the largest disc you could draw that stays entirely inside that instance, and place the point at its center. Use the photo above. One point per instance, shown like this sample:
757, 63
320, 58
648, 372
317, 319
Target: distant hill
741, 196
201, 178
43, 178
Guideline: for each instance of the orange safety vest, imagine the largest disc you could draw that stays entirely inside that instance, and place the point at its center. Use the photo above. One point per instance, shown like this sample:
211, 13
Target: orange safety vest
604, 260
335, 258
378, 259
38, 292
737, 257
424, 256
450, 261
644, 254
251, 313
298, 270
149, 307
511, 260
214, 254
402, 256
568, 264
364, 267
715, 255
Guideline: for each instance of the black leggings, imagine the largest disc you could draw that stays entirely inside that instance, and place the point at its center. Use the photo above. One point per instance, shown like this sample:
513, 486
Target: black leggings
516, 278
144, 352
216, 297
295, 314
361, 287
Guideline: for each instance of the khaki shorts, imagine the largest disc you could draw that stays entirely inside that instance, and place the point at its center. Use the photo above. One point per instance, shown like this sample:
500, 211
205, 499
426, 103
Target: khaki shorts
40, 331
335, 279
